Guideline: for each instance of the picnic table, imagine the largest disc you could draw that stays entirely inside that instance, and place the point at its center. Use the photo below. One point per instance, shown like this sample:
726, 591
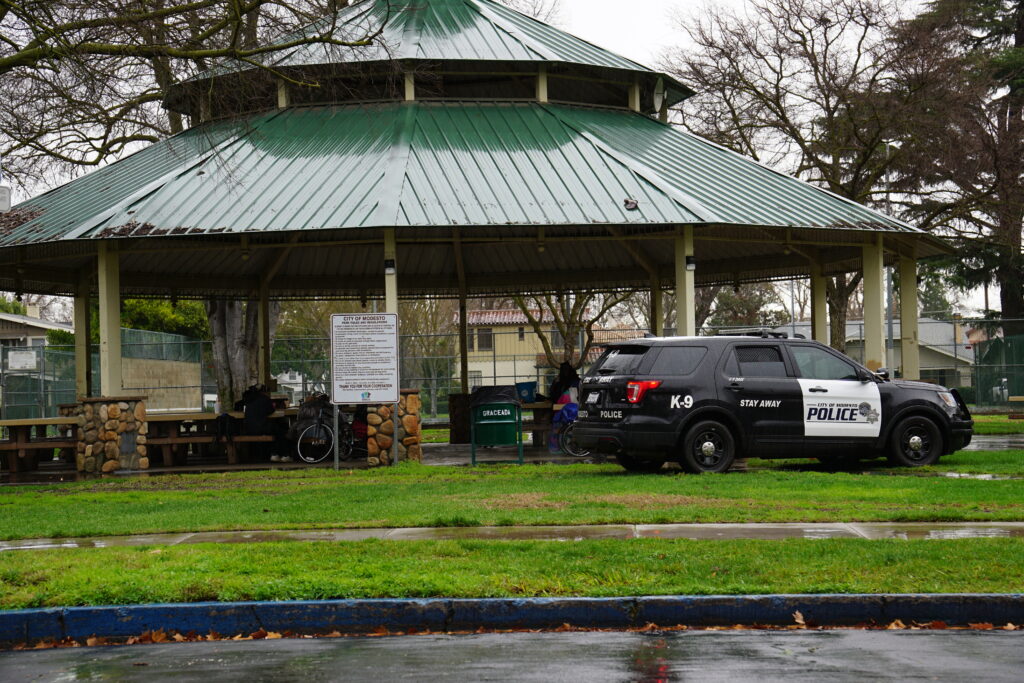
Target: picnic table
22, 449
169, 432
1017, 416
540, 425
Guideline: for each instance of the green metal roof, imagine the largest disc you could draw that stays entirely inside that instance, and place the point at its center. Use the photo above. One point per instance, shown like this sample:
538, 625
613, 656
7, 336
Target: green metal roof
428, 164
441, 30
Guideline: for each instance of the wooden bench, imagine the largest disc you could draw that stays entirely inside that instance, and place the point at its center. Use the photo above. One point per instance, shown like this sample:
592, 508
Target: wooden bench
22, 449
1017, 416
230, 444
170, 431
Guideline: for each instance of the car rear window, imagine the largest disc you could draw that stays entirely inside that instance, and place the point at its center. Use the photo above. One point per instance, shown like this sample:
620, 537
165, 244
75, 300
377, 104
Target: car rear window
621, 360
678, 360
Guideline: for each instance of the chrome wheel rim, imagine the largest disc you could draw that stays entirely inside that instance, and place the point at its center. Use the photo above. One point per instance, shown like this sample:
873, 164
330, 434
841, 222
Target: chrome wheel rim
708, 449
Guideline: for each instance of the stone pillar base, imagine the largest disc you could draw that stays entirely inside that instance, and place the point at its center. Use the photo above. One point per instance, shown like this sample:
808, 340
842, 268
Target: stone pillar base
112, 434
382, 428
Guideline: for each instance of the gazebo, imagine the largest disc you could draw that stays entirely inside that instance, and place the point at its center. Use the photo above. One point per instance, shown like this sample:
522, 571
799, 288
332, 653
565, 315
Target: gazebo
470, 150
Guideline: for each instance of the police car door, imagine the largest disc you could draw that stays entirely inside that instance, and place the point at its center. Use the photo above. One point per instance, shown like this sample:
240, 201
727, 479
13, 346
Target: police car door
761, 389
839, 407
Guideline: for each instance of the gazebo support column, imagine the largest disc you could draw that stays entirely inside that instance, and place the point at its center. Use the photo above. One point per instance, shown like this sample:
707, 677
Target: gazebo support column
263, 319
874, 304
657, 310
460, 271
686, 293
909, 341
83, 334
819, 305
109, 295
390, 271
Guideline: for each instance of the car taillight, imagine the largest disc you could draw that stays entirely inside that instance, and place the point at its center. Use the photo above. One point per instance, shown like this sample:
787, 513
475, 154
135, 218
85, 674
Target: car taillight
635, 390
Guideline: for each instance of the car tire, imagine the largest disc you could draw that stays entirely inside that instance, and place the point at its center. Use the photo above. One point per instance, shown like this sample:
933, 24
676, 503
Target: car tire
708, 446
915, 442
631, 464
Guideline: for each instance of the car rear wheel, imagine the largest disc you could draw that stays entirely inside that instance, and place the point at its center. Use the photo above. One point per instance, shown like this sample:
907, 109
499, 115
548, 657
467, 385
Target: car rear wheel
708, 447
915, 442
632, 464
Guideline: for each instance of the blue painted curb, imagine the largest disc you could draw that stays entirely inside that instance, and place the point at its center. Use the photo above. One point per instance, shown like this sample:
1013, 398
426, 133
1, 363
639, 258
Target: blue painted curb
447, 614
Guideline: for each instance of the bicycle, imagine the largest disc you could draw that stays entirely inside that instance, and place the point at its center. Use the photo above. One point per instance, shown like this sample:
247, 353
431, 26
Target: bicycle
567, 442
316, 441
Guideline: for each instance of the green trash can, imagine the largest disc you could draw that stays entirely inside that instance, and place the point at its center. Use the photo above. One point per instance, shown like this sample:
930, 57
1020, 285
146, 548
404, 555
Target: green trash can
498, 423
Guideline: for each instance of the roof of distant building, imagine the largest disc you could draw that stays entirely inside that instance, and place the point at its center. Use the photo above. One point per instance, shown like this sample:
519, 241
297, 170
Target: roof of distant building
29, 321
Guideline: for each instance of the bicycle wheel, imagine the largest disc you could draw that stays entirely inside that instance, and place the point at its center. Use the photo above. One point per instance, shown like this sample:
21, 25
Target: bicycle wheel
346, 442
315, 443
568, 444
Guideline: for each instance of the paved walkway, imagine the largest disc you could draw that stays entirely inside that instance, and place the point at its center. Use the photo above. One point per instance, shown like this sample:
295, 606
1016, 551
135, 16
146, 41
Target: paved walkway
873, 531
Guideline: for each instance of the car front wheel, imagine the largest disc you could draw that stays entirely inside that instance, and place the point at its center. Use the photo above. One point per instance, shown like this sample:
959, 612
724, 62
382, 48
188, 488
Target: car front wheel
708, 447
916, 442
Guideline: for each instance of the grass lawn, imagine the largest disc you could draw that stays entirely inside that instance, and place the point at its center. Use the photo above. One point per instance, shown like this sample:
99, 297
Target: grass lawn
416, 495
997, 424
376, 569
1001, 463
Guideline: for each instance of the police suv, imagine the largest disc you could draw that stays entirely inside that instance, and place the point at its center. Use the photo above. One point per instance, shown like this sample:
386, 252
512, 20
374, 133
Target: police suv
704, 401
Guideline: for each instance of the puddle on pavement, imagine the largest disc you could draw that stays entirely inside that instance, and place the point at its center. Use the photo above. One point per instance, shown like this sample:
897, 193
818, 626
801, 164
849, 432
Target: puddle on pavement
980, 477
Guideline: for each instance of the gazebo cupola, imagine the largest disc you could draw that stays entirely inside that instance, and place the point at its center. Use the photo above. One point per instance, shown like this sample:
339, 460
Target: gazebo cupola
428, 50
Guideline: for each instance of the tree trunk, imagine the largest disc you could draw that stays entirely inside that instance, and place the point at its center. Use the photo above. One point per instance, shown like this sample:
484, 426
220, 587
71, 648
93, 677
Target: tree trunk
234, 328
838, 291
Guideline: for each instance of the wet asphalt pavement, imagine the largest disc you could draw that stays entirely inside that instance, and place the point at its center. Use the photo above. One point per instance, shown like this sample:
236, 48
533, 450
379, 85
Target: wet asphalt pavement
591, 657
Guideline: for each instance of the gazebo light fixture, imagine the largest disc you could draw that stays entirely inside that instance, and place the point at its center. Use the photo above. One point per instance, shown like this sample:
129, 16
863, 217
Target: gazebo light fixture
659, 95
691, 263
5, 195
389, 266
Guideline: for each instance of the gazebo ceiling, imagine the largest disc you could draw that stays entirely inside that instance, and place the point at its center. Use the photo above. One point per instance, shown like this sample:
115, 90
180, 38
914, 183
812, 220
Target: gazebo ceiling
534, 196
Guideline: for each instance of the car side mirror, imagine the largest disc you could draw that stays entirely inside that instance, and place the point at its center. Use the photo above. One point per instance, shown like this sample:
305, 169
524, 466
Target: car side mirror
864, 376
882, 373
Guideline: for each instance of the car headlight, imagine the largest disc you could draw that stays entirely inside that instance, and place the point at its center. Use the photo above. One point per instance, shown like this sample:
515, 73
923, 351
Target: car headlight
951, 405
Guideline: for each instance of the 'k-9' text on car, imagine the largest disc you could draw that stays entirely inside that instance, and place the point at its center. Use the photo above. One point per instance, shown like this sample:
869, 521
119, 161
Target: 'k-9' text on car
704, 401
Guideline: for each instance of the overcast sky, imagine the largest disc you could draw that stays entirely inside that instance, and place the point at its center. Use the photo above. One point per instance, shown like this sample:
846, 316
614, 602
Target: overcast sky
638, 29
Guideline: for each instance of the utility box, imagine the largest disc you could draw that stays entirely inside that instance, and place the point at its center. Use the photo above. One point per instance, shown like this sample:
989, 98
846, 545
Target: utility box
496, 419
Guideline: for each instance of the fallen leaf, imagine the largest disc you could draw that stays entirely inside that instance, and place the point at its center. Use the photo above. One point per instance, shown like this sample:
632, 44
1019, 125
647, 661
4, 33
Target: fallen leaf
938, 625
178, 638
158, 636
271, 635
799, 618
333, 634
95, 641
896, 626
1011, 627
259, 635
984, 626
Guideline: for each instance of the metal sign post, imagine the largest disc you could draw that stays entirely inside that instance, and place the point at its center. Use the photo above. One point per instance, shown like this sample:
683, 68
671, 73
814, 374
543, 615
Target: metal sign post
364, 362
337, 454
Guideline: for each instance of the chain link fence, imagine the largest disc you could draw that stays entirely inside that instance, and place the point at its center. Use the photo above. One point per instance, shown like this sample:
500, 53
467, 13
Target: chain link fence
177, 372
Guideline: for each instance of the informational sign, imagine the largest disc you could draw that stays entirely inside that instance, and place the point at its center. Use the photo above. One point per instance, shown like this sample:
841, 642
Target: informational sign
22, 360
364, 358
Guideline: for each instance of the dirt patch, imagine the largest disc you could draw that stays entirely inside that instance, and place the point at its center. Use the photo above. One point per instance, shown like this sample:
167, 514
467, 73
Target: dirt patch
521, 501
648, 501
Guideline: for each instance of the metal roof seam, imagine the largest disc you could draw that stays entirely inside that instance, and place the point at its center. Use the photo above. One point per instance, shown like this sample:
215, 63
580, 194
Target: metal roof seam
396, 169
